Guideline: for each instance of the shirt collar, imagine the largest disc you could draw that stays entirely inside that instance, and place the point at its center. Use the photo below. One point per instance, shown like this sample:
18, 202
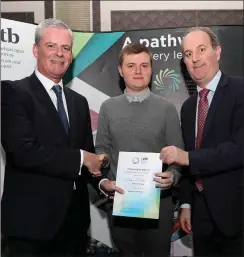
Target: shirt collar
212, 85
138, 97
47, 83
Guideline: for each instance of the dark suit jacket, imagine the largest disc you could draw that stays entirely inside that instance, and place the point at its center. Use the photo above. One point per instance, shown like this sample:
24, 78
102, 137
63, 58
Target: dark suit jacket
218, 162
42, 161
243, 147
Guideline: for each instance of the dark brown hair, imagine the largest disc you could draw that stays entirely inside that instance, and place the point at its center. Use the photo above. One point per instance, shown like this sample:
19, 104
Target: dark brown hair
133, 48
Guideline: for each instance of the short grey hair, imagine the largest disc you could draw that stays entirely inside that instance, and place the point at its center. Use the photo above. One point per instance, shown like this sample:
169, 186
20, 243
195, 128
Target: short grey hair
213, 37
50, 23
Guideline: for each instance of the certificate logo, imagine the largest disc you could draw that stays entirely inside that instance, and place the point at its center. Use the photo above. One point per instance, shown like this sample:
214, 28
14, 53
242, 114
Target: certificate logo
144, 160
135, 160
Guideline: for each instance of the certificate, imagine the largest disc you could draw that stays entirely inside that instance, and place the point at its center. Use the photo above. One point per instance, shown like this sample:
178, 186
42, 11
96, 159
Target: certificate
135, 173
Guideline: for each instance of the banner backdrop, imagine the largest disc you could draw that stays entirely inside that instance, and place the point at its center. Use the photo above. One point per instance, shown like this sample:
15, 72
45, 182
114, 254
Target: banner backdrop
94, 74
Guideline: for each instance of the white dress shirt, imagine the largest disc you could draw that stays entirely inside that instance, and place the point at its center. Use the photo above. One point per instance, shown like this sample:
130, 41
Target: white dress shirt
48, 84
212, 87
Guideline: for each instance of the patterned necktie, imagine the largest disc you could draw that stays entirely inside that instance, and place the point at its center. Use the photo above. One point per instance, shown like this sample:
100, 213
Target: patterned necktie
202, 114
61, 111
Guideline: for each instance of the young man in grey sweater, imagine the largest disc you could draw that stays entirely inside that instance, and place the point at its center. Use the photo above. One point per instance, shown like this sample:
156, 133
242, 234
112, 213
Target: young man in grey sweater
139, 121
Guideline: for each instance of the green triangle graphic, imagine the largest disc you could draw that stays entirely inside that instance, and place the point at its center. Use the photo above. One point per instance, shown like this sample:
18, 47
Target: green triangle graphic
80, 40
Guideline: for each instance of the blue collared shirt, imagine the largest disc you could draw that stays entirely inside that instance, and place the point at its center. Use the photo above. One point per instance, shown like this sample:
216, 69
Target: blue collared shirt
138, 97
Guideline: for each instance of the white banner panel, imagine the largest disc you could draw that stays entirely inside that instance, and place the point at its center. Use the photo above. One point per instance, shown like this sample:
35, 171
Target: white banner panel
17, 60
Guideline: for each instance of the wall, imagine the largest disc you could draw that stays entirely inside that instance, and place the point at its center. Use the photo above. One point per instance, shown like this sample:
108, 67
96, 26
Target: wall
28, 11
119, 15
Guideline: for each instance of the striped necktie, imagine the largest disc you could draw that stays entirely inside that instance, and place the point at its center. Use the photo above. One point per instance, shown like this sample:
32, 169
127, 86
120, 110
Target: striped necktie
202, 114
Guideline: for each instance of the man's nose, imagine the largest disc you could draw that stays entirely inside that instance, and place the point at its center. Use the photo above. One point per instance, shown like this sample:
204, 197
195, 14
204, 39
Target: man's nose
195, 57
59, 51
138, 69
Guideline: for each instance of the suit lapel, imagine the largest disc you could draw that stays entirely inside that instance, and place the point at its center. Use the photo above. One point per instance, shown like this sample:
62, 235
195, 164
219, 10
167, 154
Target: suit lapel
44, 99
72, 114
217, 99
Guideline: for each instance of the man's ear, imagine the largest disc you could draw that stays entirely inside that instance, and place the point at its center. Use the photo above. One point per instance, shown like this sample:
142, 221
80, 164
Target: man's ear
218, 52
120, 71
35, 51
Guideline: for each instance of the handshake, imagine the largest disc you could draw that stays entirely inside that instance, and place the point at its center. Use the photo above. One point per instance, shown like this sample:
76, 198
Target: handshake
95, 162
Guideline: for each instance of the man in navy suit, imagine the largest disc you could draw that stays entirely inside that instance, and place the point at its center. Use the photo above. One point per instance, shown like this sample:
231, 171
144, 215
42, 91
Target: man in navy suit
211, 193
47, 137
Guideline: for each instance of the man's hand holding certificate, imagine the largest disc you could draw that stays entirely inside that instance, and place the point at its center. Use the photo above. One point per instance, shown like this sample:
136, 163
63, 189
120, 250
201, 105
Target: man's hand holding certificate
135, 174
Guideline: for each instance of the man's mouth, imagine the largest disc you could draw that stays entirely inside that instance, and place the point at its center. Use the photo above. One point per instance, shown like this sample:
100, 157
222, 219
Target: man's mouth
197, 67
57, 61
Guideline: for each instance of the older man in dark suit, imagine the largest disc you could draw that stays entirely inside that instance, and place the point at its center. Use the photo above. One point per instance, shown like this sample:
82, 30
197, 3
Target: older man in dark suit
212, 123
47, 137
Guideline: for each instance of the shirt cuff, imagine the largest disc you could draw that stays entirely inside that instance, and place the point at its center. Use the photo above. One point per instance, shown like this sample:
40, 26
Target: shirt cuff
185, 205
99, 186
81, 160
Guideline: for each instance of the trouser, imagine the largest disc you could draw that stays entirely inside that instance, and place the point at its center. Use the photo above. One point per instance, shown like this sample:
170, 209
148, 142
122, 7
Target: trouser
217, 244
143, 237
71, 239
207, 239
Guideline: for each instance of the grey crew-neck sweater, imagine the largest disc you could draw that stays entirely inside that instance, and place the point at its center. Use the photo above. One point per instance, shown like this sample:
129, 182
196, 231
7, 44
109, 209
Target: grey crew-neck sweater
145, 126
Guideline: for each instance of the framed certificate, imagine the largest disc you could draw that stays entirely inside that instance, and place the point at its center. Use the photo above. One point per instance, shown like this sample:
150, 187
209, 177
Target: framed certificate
135, 173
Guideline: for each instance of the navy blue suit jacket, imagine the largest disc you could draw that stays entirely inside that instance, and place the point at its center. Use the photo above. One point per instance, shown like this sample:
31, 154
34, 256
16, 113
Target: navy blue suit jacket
42, 161
218, 162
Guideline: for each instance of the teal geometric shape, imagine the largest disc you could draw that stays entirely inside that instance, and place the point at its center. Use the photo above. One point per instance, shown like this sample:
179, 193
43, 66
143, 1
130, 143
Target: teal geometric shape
98, 44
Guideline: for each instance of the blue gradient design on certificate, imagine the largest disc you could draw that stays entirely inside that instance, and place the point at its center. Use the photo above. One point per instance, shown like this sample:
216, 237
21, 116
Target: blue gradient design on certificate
144, 207
142, 201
